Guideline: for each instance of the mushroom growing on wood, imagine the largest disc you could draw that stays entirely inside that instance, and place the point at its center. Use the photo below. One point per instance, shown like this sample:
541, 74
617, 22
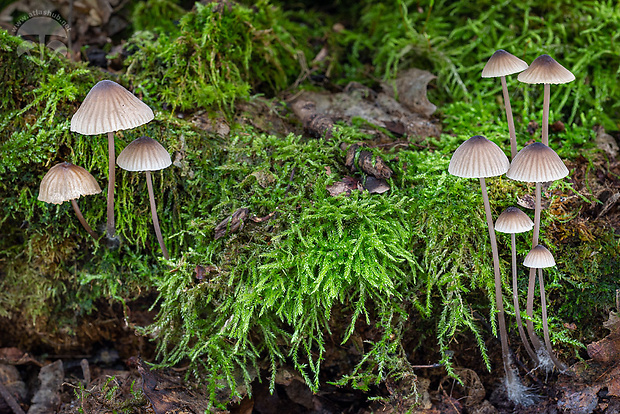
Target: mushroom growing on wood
146, 154
512, 221
544, 69
539, 258
107, 108
502, 64
536, 163
480, 158
68, 182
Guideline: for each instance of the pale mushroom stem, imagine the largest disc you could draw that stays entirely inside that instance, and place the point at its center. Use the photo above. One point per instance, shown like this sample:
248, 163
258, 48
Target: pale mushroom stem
515, 298
545, 120
111, 181
160, 239
503, 335
543, 304
529, 310
80, 217
509, 119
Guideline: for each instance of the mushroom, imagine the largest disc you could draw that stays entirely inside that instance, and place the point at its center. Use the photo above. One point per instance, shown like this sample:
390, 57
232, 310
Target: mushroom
480, 158
107, 108
544, 69
539, 258
67, 182
536, 163
502, 64
146, 154
512, 221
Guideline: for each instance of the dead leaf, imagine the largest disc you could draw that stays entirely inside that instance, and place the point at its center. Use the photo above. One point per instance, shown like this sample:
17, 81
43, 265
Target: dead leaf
411, 86
346, 185
231, 224
376, 185
264, 178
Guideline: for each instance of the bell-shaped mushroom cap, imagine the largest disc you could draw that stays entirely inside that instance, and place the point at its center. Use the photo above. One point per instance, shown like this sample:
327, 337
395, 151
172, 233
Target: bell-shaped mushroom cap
64, 182
477, 158
544, 69
537, 163
109, 107
502, 63
144, 154
512, 220
539, 257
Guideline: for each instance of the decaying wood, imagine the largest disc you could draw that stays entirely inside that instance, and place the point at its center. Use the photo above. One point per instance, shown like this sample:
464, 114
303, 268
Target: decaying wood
232, 224
358, 159
318, 125
10, 400
47, 398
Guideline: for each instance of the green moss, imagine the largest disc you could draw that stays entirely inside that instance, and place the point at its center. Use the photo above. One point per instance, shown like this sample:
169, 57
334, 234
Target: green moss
213, 56
310, 269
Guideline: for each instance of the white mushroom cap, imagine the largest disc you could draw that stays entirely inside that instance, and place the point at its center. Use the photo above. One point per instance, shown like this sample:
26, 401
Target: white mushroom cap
512, 220
537, 163
502, 63
64, 182
109, 107
539, 257
477, 158
544, 69
144, 154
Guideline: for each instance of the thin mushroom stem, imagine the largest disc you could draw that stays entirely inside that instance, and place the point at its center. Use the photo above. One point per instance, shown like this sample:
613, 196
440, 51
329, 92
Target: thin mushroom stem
529, 310
509, 119
545, 119
503, 335
80, 217
111, 181
160, 239
543, 304
515, 298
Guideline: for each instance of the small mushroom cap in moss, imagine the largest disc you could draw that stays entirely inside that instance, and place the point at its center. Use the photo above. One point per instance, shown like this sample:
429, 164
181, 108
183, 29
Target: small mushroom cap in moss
537, 163
502, 63
64, 182
144, 154
539, 257
512, 221
109, 107
478, 158
544, 69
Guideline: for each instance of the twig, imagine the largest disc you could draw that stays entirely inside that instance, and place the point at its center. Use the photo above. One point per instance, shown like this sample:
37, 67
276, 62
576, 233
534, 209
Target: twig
8, 397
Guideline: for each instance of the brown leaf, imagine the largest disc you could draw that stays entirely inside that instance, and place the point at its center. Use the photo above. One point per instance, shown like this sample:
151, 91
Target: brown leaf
376, 185
346, 185
232, 223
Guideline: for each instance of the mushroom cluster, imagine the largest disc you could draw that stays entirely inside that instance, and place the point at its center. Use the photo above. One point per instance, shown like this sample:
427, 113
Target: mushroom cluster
107, 108
536, 163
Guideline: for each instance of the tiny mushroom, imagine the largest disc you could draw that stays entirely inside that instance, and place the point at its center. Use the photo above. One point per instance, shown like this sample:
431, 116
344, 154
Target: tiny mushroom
539, 258
480, 158
536, 163
512, 221
502, 64
544, 69
68, 182
107, 108
146, 154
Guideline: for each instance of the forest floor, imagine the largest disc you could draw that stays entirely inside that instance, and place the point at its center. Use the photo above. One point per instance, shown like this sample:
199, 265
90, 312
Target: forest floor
112, 375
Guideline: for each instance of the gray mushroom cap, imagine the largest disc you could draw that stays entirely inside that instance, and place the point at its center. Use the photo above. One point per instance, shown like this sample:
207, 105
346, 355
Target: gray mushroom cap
512, 221
537, 163
544, 69
478, 158
109, 107
502, 63
539, 257
144, 154
64, 182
